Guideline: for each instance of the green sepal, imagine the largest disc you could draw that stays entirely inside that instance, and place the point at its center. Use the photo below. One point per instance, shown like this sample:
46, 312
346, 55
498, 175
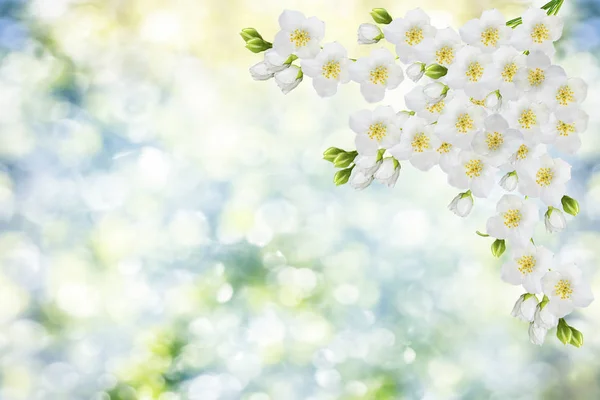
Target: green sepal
257, 45
563, 331
331, 153
570, 205
498, 248
381, 16
290, 59
380, 154
341, 177
343, 160
482, 234
249, 34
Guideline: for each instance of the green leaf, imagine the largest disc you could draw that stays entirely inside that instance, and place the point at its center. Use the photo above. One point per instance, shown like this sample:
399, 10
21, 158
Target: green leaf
570, 205
341, 177
563, 331
331, 153
257, 45
381, 16
435, 71
249, 34
576, 338
344, 159
498, 247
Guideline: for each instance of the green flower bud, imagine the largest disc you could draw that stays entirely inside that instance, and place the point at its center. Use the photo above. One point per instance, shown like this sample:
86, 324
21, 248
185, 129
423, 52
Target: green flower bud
344, 159
257, 45
563, 331
331, 153
341, 177
570, 205
498, 248
249, 33
381, 16
435, 71
576, 338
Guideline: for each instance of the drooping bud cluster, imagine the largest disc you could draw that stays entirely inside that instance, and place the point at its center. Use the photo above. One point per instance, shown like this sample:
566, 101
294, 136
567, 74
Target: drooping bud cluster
487, 107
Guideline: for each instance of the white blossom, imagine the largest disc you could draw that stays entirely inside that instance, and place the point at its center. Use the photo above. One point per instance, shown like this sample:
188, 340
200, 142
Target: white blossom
298, 35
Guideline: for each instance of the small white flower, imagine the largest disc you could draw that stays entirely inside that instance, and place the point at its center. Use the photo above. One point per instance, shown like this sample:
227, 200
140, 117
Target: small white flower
564, 128
563, 92
260, 72
527, 265
566, 290
538, 31
408, 34
488, 32
388, 172
507, 63
424, 105
376, 74
435, 91
497, 142
360, 178
369, 164
509, 181
471, 72
298, 35
493, 101
462, 204
472, 172
539, 76
417, 144
554, 219
537, 334
545, 178
369, 34
328, 69
529, 118
460, 121
515, 220
288, 79
524, 308
443, 48
543, 318
415, 71
274, 61
374, 129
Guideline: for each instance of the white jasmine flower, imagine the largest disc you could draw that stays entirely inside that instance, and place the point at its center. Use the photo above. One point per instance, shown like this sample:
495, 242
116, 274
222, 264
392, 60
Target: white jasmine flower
298, 35
537, 334
509, 181
435, 91
564, 128
524, 308
515, 220
543, 318
260, 72
328, 69
369, 164
462, 204
408, 34
538, 31
545, 178
554, 220
472, 172
527, 265
417, 144
415, 71
529, 118
443, 48
423, 105
539, 76
388, 172
460, 121
562, 92
497, 142
471, 72
493, 101
369, 34
362, 178
375, 129
274, 61
488, 32
288, 79
566, 290
506, 65
376, 74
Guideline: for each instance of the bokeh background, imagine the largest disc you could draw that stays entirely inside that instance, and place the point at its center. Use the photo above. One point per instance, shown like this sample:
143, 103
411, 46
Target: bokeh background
170, 231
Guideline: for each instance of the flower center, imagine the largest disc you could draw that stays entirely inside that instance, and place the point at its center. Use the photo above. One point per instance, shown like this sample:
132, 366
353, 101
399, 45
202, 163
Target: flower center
512, 218
544, 176
528, 119
436, 108
444, 55
509, 72
420, 142
474, 168
522, 152
464, 123
540, 33
536, 77
526, 264
444, 148
377, 131
565, 95
478, 102
474, 71
563, 289
299, 37
565, 129
379, 75
494, 140
490, 37
414, 36
332, 69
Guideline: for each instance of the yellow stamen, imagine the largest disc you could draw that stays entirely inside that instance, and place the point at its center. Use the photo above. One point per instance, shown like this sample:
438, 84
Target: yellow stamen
444, 148
377, 131
540, 33
445, 55
474, 71
474, 168
436, 108
565, 129
490, 37
379, 75
331, 70
536, 77
299, 37
494, 140
544, 176
414, 36
528, 119
420, 142
565, 95
512, 218
464, 123
522, 152
509, 72
526, 264
563, 289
